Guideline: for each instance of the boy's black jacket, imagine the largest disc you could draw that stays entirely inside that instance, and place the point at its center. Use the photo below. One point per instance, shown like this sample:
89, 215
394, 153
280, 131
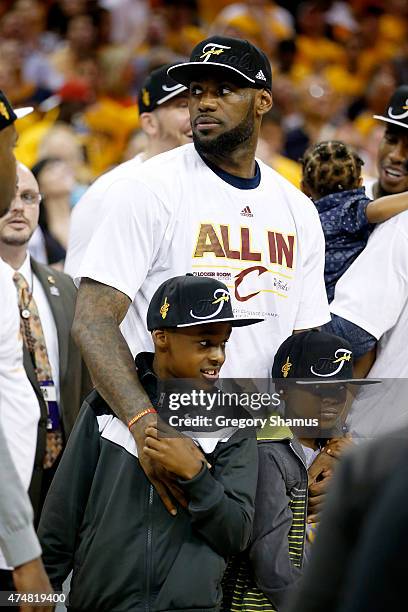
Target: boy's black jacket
103, 519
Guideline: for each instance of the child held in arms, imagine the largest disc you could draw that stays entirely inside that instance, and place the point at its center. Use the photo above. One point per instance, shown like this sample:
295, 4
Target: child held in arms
332, 179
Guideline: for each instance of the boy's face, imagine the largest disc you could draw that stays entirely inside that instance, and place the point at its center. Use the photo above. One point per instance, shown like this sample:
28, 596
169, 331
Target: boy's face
191, 352
328, 403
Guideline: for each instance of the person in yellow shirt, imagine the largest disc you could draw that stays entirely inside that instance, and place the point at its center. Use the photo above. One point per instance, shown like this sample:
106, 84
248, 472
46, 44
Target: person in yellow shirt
270, 145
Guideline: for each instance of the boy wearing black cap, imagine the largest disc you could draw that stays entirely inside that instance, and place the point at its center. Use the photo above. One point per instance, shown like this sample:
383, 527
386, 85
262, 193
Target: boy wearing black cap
101, 506
311, 370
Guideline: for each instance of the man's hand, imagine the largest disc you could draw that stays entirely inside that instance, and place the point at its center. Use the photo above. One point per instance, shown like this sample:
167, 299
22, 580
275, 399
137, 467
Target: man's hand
317, 495
175, 454
31, 578
319, 474
336, 446
161, 478
322, 463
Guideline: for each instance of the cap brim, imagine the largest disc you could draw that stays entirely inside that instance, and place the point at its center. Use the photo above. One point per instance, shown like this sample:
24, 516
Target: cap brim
235, 322
171, 94
393, 121
339, 381
190, 71
23, 112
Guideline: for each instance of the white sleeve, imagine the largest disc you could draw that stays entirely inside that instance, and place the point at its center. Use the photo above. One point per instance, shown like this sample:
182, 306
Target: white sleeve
373, 291
313, 307
17, 538
123, 248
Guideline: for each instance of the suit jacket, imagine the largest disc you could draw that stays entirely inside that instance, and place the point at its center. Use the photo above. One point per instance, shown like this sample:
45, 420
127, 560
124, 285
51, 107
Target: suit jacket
74, 379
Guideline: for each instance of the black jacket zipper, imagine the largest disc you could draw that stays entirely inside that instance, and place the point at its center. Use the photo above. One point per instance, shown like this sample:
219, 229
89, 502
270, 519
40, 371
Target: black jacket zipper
149, 548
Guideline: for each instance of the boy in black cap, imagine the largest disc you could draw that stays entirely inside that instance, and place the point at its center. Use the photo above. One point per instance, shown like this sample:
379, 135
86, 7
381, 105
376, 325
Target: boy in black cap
311, 370
101, 506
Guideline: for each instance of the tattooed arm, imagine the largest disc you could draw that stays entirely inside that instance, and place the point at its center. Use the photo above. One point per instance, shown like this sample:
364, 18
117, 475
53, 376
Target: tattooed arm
99, 311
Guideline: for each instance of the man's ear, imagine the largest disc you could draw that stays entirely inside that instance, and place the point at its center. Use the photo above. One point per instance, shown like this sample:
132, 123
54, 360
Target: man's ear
149, 124
264, 101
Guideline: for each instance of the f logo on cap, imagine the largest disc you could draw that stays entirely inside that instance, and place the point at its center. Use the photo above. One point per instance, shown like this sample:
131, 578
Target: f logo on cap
341, 356
220, 296
215, 50
400, 115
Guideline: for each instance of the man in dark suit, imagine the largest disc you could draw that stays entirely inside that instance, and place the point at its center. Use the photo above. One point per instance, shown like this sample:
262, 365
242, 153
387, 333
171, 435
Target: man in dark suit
52, 361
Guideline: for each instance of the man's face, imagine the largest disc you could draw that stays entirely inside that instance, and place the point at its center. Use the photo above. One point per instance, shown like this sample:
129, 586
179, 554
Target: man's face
196, 352
18, 224
8, 139
173, 121
222, 115
392, 160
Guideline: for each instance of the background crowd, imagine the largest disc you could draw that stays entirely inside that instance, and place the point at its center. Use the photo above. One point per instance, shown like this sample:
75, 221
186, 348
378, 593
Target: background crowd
81, 63
86, 68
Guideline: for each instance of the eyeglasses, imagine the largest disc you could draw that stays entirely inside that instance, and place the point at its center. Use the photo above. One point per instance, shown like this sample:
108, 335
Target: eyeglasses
29, 198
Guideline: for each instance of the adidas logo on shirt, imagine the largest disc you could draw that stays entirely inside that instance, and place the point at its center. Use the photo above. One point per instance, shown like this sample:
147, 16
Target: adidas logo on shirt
246, 212
261, 76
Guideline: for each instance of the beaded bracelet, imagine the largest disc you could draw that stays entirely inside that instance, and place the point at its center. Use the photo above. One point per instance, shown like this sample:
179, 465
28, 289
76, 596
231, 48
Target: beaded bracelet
140, 415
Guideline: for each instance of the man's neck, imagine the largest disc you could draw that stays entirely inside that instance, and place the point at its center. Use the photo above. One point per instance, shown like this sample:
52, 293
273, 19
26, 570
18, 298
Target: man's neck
13, 255
159, 368
242, 168
378, 191
240, 162
154, 148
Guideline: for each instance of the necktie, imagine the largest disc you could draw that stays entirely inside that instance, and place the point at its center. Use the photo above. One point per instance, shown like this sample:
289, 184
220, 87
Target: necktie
33, 335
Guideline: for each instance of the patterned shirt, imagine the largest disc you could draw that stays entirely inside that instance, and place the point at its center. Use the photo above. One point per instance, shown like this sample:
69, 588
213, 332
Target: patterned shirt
346, 230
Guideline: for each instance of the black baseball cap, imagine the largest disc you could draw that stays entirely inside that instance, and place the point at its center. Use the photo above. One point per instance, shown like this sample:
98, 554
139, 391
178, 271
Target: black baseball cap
235, 58
183, 301
158, 88
314, 356
397, 111
8, 114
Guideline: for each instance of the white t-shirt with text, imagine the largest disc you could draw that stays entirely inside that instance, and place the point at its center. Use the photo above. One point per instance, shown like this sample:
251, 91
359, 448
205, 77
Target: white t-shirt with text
176, 215
90, 211
373, 294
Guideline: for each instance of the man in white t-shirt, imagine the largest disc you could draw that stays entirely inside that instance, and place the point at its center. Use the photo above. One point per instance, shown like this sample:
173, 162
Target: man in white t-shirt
209, 209
164, 118
18, 406
371, 299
